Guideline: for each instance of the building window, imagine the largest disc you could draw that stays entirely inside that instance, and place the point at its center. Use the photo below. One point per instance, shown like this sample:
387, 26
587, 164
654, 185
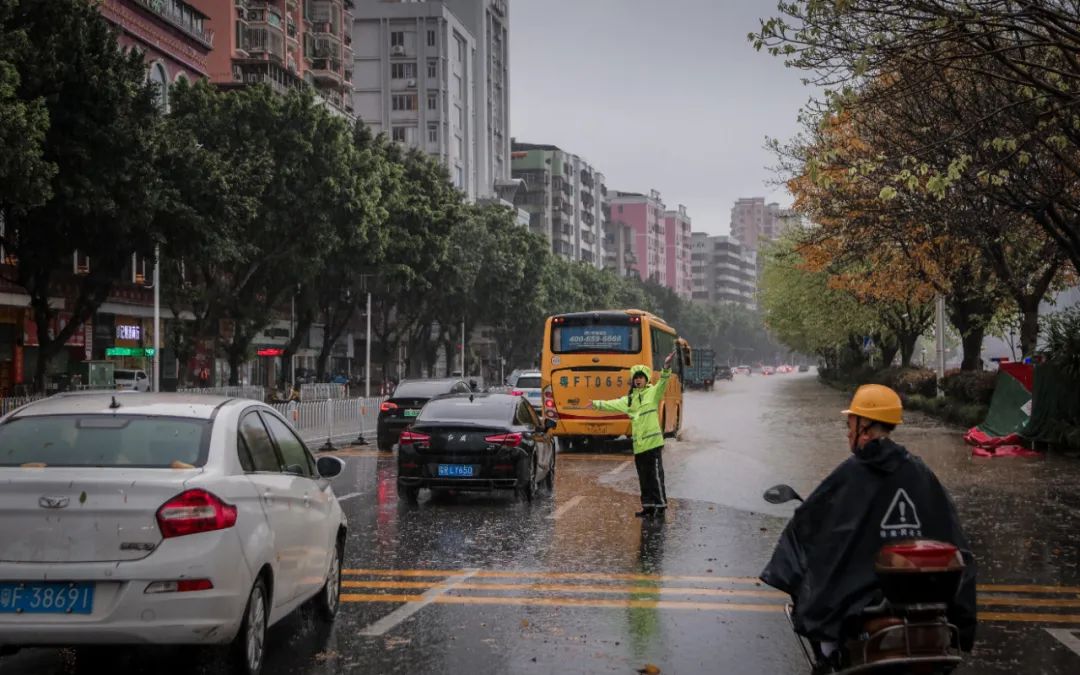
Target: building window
397, 38
459, 177
432, 101
460, 146
431, 38
403, 102
433, 69
459, 86
460, 48
433, 133
403, 71
398, 134
460, 117
160, 79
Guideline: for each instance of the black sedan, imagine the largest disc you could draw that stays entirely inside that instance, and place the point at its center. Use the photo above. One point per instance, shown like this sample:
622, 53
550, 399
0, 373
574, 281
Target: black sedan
401, 409
476, 442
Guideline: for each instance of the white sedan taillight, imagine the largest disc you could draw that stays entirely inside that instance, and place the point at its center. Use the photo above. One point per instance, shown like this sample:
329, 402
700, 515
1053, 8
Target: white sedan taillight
192, 512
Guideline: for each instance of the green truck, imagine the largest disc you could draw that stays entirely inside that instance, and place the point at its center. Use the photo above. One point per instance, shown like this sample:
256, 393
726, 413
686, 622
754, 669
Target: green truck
701, 374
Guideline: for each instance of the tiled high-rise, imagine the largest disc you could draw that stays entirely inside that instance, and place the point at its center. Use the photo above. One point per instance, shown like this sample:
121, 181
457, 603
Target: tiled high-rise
434, 75
286, 44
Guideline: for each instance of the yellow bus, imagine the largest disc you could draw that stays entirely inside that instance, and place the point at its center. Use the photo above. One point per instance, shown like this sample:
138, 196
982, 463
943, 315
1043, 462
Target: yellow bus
587, 356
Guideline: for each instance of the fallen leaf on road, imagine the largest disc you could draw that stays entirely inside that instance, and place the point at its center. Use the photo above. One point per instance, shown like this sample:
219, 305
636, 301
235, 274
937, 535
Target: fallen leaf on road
524, 623
649, 669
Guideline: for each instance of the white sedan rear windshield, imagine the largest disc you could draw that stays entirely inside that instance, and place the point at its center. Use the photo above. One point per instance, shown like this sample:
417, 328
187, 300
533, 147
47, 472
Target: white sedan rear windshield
528, 382
105, 441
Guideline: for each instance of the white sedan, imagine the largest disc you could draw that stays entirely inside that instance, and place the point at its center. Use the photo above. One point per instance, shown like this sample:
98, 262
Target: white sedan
135, 518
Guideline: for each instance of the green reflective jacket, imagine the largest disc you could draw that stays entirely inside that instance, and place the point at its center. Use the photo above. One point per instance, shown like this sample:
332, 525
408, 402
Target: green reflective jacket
642, 406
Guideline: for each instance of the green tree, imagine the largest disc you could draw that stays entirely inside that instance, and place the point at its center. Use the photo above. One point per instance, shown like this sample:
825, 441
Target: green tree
287, 220
80, 155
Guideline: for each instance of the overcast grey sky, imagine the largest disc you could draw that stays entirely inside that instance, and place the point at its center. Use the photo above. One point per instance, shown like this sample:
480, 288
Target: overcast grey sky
664, 94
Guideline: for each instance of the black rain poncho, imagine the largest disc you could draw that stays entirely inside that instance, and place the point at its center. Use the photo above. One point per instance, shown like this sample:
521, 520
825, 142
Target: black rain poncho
825, 556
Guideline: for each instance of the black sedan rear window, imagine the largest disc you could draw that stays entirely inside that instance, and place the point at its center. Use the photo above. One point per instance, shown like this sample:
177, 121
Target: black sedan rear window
105, 441
422, 389
486, 411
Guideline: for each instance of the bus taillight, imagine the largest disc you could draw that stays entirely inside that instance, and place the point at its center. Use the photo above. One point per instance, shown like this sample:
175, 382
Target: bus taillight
549, 404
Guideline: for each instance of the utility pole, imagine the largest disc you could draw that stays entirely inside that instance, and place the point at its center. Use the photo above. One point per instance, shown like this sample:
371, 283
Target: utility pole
939, 333
463, 348
157, 318
367, 349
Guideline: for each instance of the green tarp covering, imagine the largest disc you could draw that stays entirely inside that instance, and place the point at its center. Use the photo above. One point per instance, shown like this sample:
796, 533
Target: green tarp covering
1009, 407
1055, 417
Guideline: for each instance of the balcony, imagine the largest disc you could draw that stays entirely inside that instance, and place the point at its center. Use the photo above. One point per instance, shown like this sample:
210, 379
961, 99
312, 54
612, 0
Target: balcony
270, 74
262, 41
183, 17
327, 72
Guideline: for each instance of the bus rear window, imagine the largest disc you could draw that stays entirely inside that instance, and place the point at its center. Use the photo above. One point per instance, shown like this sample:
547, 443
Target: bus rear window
568, 338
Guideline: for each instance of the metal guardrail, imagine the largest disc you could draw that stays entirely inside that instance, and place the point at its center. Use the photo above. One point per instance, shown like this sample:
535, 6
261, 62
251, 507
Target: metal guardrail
12, 402
323, 391
256, 393
333, 420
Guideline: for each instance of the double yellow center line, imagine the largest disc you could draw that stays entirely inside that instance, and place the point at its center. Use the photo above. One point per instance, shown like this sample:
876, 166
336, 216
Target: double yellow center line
652, 591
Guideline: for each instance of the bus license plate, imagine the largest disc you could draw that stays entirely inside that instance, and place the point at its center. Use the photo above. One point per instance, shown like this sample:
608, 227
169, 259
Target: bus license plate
46, 598
455, 470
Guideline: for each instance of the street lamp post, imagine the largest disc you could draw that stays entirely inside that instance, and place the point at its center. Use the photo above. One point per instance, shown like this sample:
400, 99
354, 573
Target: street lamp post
157, 319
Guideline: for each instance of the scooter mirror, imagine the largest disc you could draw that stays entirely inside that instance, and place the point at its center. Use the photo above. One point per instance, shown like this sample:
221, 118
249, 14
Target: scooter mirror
781, 494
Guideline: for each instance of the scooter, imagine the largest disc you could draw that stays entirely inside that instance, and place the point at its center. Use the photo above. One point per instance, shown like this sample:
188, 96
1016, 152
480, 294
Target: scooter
908, 632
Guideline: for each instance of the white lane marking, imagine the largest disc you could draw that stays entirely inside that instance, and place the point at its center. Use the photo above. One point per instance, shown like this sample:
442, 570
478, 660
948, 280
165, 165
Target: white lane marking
569, 504
349, 496
396, 617
619, 469
1066, 637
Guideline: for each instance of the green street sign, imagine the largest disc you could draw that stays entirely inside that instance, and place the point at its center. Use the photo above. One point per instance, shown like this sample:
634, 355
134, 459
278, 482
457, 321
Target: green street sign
141, 352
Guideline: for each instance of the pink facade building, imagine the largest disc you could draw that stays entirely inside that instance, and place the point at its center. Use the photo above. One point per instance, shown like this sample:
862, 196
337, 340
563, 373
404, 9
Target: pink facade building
644, 215
174, 36
677, 244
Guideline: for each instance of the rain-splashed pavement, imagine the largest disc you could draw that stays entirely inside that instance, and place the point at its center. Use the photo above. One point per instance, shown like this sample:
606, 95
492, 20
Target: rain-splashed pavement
574, 583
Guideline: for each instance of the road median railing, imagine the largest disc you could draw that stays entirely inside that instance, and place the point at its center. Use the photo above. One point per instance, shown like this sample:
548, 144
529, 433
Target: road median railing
256, 393
343, 421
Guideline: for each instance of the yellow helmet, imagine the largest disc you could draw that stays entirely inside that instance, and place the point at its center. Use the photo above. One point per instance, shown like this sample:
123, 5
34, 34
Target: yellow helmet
878, 403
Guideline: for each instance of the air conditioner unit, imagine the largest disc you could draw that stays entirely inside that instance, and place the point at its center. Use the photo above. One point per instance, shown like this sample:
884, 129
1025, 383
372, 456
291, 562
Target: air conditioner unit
397, 50
410, 83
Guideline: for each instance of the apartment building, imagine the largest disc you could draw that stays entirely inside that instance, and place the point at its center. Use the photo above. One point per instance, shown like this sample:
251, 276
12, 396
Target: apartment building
564, 196
286, 44
677, 243
434, 75
644, 215
175, 38
723, 271
752, 220
488, 21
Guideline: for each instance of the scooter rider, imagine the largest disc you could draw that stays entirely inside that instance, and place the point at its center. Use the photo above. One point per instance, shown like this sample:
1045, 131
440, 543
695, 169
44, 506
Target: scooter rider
882, 493
642, 404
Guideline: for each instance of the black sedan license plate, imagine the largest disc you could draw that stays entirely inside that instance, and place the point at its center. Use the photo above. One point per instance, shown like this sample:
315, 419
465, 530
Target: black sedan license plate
455, 470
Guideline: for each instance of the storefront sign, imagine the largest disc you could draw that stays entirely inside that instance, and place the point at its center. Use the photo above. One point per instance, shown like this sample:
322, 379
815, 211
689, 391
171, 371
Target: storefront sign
138, 352
125, 332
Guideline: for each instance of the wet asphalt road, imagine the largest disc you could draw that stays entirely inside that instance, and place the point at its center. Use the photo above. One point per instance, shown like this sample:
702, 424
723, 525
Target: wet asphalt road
574, 583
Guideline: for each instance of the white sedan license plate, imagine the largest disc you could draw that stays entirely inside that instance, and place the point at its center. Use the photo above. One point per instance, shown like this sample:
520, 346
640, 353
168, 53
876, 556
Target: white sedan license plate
46, 598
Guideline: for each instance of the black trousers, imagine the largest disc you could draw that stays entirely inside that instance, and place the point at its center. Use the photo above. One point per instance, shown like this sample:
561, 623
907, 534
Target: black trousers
650, 473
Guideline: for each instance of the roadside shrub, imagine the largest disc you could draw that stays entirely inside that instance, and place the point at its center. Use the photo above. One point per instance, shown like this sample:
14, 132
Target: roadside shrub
969, 386
908, 381
963, 414
1063, 340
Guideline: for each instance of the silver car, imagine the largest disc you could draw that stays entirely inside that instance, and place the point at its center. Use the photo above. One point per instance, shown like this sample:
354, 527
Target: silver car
133, 518
527, 384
